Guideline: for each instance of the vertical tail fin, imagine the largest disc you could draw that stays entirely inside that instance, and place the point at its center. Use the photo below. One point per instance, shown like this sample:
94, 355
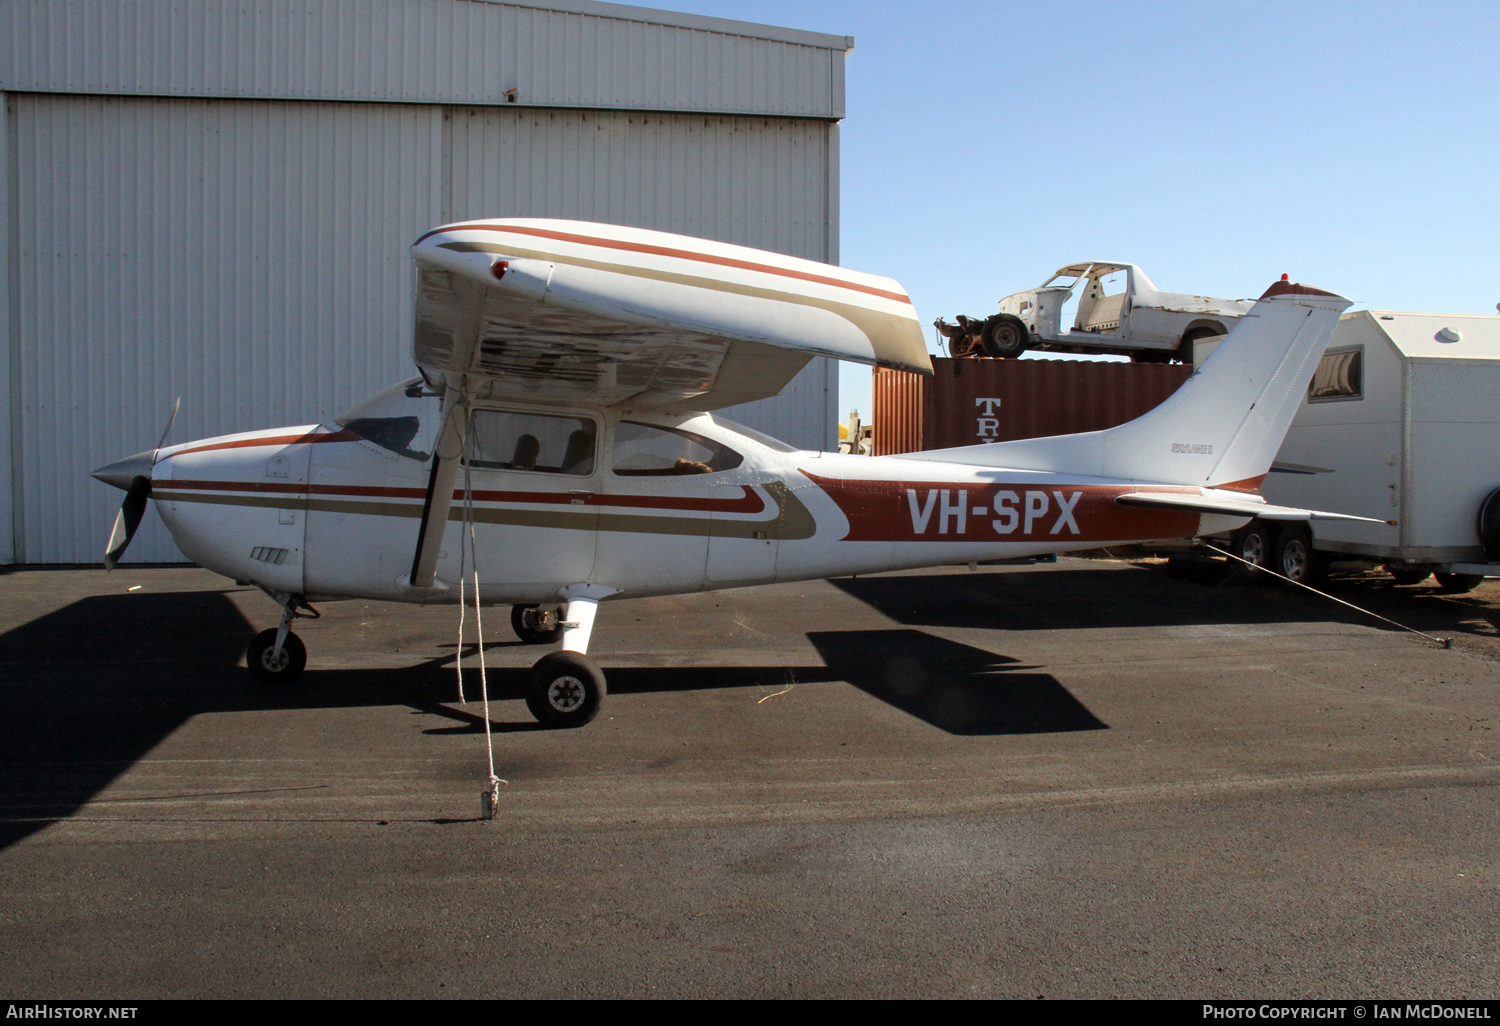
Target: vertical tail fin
1221, 428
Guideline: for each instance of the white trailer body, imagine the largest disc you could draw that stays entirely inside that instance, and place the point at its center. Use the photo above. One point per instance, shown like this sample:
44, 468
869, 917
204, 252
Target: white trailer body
1400, 424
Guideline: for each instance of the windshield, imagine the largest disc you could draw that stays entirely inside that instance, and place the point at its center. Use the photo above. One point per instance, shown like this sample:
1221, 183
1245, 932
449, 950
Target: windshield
401, 419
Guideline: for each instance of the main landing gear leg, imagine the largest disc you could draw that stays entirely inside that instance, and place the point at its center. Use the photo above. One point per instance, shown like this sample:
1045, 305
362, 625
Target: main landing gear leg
276, 655
567, 687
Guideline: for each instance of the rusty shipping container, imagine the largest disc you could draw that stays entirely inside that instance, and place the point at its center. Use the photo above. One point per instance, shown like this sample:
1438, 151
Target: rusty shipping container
968, 401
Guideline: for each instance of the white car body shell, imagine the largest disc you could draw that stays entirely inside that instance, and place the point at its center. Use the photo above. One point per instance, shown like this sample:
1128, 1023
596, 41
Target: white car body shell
1142, 318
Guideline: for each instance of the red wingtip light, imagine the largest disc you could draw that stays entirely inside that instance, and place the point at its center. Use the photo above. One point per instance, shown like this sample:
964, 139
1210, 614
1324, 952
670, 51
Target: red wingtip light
498, 269
1284, 277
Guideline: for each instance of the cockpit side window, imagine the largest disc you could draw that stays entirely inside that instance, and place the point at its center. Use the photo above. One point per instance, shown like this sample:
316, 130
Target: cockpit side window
539, 443
646, 450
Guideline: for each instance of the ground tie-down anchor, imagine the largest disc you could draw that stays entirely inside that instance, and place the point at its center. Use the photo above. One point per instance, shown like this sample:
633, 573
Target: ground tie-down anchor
489, 799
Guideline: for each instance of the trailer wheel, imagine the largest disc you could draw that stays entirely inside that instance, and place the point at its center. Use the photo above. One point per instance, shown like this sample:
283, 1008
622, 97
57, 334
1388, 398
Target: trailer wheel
1459, 584
1004, 337
1252, 543
1489, 526
1297, 560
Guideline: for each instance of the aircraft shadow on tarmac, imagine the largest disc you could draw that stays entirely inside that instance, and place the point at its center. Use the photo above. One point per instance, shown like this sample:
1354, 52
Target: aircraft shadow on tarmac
1066, 599
93, 687
1071, 599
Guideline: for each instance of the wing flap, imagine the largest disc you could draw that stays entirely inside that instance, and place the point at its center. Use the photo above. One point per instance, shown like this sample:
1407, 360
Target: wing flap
1230, 507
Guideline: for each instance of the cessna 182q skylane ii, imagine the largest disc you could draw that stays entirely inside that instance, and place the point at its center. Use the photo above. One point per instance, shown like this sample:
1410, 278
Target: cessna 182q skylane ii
569, 371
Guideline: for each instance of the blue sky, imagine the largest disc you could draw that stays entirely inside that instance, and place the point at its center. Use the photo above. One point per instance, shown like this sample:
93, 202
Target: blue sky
1351, 145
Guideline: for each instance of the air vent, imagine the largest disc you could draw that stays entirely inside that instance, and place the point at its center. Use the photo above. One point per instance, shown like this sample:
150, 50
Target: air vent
1448, 335
265, 554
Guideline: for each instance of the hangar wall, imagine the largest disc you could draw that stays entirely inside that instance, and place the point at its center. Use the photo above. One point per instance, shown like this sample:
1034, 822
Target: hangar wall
246, 248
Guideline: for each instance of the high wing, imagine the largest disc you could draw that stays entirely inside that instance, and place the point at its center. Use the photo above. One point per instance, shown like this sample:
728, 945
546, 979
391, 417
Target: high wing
1235, 507
608, 315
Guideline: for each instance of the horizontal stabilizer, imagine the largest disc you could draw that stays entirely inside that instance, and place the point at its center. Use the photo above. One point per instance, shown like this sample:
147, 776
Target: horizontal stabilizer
1230, 507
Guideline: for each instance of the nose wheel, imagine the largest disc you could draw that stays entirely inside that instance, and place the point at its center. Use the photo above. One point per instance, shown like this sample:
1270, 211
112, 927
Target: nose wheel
270, 667
276, 655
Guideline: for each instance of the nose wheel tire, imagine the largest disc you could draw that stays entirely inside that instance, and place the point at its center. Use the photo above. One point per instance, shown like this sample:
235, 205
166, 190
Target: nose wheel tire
535, 625
565, 689
285, 668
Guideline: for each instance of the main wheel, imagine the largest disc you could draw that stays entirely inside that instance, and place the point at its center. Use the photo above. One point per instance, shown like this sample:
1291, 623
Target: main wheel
1458, 584
1297, 560
284, 669
1252, 543
1004, 337
535, 625
1407, 577
565, 689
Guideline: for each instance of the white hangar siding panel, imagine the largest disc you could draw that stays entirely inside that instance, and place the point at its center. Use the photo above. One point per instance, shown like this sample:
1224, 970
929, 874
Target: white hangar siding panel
419, 51
759, 182
247, 256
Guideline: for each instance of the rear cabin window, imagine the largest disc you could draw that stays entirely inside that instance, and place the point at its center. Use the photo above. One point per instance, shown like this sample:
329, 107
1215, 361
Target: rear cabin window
536, 442
645, 450
1340, 375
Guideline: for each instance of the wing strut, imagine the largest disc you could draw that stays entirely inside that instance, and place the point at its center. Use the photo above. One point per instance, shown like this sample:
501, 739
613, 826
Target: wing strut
447, 453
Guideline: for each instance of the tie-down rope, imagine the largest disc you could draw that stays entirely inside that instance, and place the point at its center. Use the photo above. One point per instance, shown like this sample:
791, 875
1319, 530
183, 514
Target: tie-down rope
1440, 642
468, 555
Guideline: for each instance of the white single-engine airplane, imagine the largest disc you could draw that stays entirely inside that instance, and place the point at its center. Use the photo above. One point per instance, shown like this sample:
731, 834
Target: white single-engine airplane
569, 369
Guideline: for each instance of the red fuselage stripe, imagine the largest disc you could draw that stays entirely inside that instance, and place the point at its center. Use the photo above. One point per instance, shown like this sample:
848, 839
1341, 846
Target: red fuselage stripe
679, 254
749, 502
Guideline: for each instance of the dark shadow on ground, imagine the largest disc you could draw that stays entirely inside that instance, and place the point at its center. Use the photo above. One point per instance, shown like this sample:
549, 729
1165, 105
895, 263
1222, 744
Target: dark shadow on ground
91, 688
1066, 598
954, 687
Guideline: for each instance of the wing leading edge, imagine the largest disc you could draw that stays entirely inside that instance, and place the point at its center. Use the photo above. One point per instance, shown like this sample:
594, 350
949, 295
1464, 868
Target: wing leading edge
603, 314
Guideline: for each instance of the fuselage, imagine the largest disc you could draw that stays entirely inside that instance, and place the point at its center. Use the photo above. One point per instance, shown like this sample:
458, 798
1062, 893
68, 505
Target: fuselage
637, 502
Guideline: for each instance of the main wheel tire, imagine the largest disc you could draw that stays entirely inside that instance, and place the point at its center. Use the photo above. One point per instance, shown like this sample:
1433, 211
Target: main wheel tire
1004, 337
1409, 577
1254, 545
284, 669
565, 689
530, 624
1458, 584
1297, 560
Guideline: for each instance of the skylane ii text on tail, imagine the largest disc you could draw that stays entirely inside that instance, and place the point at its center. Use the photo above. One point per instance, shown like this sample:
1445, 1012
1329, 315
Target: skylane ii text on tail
564, 407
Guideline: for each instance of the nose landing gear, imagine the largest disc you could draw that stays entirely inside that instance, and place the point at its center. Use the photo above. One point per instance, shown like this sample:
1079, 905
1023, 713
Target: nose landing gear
276, 655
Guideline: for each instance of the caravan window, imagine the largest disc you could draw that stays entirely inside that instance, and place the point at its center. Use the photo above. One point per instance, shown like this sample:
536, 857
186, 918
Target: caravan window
1340, 375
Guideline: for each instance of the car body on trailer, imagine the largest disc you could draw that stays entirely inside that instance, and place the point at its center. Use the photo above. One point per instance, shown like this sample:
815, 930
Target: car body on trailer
564, 413
1136, 319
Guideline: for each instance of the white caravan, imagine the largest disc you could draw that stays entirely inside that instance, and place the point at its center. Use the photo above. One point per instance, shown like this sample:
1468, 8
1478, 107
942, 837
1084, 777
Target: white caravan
1398, 424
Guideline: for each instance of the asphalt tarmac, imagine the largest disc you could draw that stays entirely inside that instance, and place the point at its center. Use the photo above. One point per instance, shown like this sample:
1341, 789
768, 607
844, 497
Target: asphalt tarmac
1081, 780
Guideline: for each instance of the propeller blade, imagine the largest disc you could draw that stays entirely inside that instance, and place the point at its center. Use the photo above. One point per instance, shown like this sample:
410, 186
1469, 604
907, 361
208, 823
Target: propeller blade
168, 429
127, 520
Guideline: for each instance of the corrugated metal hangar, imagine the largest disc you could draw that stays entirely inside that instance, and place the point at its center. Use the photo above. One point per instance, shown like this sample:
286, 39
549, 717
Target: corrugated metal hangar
214, 201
